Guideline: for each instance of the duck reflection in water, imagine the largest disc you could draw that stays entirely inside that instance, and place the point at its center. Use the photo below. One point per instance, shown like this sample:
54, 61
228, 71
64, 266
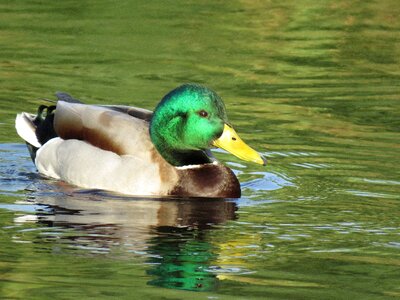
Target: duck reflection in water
170, 233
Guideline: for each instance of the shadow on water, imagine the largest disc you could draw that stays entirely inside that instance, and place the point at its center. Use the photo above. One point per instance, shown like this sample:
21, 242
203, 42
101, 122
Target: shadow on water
169, 233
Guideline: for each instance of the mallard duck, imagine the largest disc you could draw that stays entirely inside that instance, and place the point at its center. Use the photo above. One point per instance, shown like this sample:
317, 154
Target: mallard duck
134, 151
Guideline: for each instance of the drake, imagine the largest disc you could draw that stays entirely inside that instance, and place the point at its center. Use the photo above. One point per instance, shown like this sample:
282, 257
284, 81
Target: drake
135, 151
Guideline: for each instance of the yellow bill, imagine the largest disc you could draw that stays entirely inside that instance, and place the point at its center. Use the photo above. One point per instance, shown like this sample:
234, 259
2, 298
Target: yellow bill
231, 142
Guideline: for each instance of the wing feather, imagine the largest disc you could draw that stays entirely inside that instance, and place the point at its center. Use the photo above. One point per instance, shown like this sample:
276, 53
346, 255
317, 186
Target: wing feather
105, 128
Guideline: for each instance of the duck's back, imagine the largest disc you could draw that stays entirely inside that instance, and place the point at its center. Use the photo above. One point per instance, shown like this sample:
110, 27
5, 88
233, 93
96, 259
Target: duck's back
104, 128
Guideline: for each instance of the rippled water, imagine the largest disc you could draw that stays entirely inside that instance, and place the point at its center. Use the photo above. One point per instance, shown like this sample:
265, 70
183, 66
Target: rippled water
314, 85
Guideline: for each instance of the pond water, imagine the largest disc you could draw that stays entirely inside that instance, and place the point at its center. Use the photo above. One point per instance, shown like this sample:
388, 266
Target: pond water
314, 85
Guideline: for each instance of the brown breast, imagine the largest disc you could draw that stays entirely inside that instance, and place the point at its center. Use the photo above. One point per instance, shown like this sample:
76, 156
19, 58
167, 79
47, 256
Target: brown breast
208, 180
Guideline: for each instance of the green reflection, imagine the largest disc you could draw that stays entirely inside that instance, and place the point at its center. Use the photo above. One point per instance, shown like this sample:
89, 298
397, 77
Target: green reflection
182, 263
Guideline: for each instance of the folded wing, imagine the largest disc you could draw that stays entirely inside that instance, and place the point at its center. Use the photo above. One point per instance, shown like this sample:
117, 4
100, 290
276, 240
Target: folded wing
117, 130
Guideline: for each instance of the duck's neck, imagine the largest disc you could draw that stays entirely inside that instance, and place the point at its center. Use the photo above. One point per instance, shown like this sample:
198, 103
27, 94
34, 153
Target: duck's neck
183, 158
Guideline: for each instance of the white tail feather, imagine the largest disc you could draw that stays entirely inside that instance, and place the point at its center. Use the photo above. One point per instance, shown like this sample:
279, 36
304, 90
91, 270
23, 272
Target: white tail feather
26, 129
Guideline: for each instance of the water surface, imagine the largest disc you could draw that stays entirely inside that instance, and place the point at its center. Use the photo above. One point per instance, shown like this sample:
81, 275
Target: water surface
313, 85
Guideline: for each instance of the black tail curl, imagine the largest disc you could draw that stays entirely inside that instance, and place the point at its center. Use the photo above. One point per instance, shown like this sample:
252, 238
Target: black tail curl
44, 120
44, 123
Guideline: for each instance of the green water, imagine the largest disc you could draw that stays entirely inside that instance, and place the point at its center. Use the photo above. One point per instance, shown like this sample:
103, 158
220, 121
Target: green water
314, 85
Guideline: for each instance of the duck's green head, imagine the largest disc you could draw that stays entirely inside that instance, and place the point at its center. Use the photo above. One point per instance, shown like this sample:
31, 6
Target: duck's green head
192, 118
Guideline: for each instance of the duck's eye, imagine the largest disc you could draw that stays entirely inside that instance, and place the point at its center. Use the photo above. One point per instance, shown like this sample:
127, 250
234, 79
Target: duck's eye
203, 114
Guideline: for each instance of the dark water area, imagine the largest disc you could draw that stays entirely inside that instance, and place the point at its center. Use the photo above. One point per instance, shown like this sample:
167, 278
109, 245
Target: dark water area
313, 85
